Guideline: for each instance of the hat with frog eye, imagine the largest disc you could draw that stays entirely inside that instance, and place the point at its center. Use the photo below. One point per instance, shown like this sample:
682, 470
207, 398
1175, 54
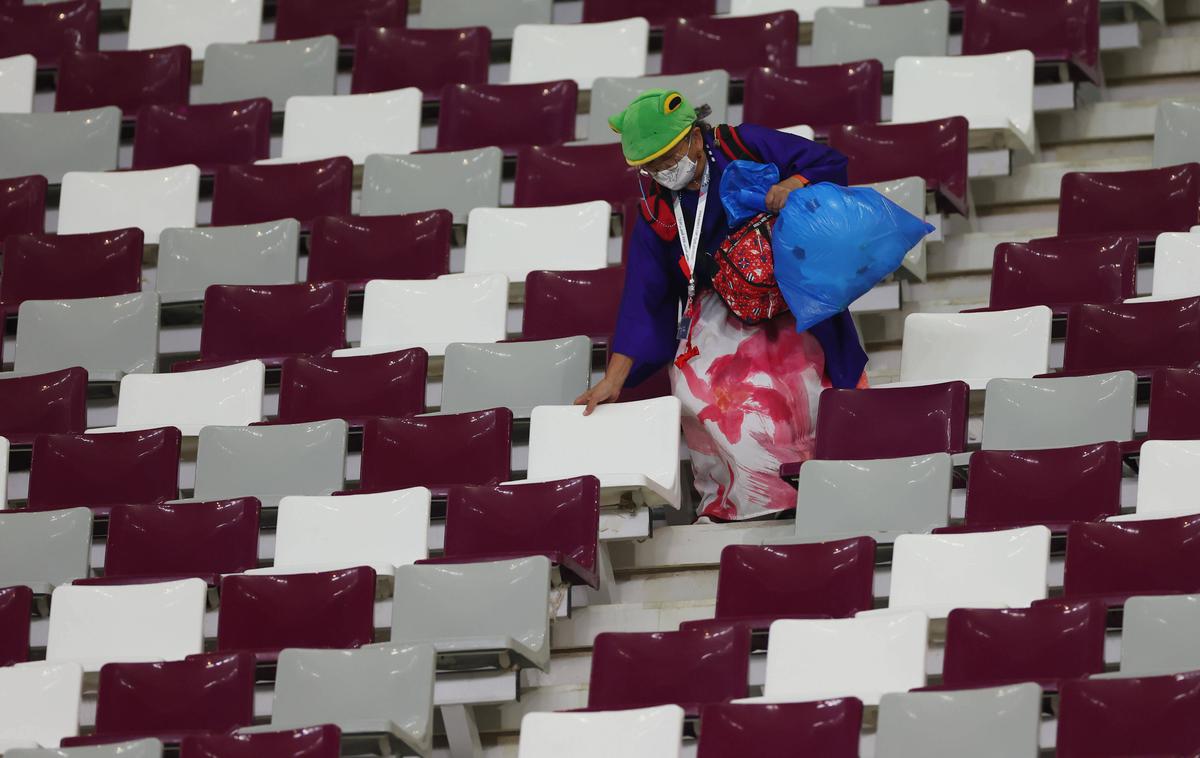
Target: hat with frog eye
656, 121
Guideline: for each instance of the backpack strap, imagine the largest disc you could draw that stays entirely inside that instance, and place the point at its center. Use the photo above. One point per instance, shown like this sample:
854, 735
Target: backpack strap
730, 143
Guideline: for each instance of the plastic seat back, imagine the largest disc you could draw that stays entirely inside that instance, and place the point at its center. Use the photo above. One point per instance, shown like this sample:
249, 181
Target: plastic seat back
501, 17
515, 375
151, 200
1144, 203
735, 44
206, 135
229, 395
96, 470
40, 550
1068, 32
1157, 634
826, 727
1023, 414
316, 126
306, 742
51, 144
18, 75
1167, 477
843, 35
428, 59
1175, 128
297, 19
1061, 271
22, 205
818, 96
49, 31
640, 733
274, 70
128, 79
355, 389
51, 403
108, 336
249, 194
57, 267
907, 421
1001, 722
40, 703
549, 175
16, 607
1174, 404
1139, 716
657, 11
203, 540
509, 116
1114, 561
356, 249
1134, 336
568, 303
154, 23
455, 181
581, 52
976, 347
1176, 274
191, 260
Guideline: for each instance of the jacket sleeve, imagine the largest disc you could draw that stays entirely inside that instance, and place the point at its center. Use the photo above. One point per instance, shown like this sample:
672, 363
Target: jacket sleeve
795, 155
646, 322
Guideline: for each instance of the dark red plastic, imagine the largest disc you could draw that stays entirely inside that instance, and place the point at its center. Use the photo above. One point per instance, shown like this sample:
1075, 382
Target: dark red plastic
428, 59
1117, 560
297, 19
1139, 337
1143, 203
1061, 271
866, 424
657, 12
509, 116
356, 249
550, 175
355, 388
99, 471
264, 614
570, 303
759, 584
1046, 644
128, 79
206, 135
16, 606
307, 742
22, 205
249, 194
933, 150
819, 96
1054, 32
48, 32
955, 5
1174, 404
690, 669
1118, 718
51, 403
438, 452
734, 43
560, 520
61, 267
828, 728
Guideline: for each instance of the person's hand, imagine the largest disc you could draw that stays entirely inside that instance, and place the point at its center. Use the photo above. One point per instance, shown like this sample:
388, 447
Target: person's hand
777, 197
607, 390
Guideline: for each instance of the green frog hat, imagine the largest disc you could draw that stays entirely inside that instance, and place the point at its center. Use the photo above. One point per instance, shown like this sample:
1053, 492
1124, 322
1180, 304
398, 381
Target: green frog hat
656, 121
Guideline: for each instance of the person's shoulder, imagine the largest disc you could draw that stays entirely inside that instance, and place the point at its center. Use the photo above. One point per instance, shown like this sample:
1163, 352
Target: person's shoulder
757, 132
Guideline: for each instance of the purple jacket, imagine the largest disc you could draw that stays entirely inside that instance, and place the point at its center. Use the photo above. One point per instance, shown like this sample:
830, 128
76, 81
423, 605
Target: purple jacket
655, 286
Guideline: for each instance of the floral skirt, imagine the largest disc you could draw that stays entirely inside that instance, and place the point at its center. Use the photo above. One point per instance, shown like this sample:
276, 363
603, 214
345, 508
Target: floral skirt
749, 404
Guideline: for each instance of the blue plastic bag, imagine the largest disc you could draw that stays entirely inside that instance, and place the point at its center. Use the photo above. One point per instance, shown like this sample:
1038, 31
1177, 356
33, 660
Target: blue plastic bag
831, 244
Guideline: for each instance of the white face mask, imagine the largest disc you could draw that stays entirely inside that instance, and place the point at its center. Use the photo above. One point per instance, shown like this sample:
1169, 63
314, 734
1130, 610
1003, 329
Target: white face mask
678, 176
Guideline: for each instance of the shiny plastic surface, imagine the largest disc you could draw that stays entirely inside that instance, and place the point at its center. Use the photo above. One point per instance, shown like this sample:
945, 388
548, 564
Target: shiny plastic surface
355, 389
16, 606
61, 267
1168, 475
735, 44
189, 260
50, 403
976, 347
892, 423
309, 18
828, 728
1157, 634
144, 748
428, 59
818, 96
206, 135
18, 76
567, 303
128, 79
516, 241
438, 452
1115, 560
1142, 203
1176, 266
51, 144
640, 733
806, 8
1055, 32
842, 35
581, 52
1060, 271
515, 375
1138, 337
550, 175
248, 194
356, 249
1107, 718
274, 70
226, 395
1176, 132
40, 550
659, 12
306, 742
1024, 414
506, 115
265, 614
1174, 404
1001, 722
351, 125
40, 702
500, 16
150, 200
49, 31
22, 205
457, 182
155, 23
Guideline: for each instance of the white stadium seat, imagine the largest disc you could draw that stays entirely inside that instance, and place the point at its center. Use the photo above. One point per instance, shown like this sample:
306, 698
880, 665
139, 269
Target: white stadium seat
150, 200
1176, 267
352, 125
1168, 479
224, 396
195, 23
17, 76
806, 8
583, 52
639, 733
39, 704
515, 241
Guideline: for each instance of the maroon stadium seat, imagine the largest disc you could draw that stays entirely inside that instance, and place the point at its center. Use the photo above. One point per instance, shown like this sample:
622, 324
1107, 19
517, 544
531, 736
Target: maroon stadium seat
1174, 404
356, 249
1053, 32
48, 32
818, 96
16, 605
22, 205
1114, 561
354, 388
1144, 203
428, 59
550, 175
509, 116
1062, 271
128, 79
828, 728
51, 403
955, 5
1138, 337
734, 43
249, 194
1111, 718
307, 742
298, 19
62, 267
206, 135
657, 12
569, 303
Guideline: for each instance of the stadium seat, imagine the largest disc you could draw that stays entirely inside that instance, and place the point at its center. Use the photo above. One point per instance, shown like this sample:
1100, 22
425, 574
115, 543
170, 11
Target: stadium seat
428, 59
1047, 643
819, 96
691, 669
206, 135
375, 690
1167, 479
1056, 33
431, 313
516, 241
610, 94
354, 389
1157, 634
845, 35
39, 704
501, 17
975, 347
128, 79
230, 395
274, 70
454, 181
498, 617
881, 498
1176, 273
556, 519
351, 125
1174, 405
356, 249
269, 462
994, 93
62, 267
1138, 337
17, 75
438, 452
49, 31
633, 448
509, 116
933, 150
757, 585
107, 336
515, 375
147, 748
51, 144
250, 194
1001, 722
640, 733
865, 657
1142, 203
201, 540
305, 742
157, 23
16, 606
1175, 128
150, 200
1059, 272
582, 52
1034, 414
270, 323
265, 614
1114, 561
735, 44
191, 260
50, 403
381, 530
130, 623
936, 573
828, 728
1054, 487
43, 550
658, 12
297, 19
567, 303
22, 205
550, 175
1106, 718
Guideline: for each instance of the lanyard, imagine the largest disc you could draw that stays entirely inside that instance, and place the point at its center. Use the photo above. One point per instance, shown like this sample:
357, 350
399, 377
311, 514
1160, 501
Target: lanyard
692, 246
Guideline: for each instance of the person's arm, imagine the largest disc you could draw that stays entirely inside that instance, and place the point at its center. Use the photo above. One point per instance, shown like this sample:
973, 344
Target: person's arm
801, 162
608, 389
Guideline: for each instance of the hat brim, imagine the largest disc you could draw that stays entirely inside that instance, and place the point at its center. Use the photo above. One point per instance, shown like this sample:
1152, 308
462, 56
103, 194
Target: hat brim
670, 145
